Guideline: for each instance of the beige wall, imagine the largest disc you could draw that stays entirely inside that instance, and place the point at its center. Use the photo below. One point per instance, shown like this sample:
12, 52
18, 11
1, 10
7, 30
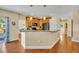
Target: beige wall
75, 18
14, 30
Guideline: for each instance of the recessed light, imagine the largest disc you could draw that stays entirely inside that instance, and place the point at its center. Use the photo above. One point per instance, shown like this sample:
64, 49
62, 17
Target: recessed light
31, 18
44, 18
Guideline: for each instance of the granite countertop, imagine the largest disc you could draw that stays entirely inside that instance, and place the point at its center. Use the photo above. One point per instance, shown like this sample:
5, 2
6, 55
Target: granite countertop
22, 30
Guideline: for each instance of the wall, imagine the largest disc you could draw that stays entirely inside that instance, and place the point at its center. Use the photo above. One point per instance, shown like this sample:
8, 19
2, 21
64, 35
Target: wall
75, 18
14, 30
53, 25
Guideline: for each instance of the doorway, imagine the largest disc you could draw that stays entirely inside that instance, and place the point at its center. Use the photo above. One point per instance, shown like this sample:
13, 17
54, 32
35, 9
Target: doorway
64, 27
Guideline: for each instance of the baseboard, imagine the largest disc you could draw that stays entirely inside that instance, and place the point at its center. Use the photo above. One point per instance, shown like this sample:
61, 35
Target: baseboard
75, 41
12, 41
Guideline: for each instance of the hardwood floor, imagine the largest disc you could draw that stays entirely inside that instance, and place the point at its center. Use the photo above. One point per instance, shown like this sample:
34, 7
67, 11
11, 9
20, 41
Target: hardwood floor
14, 47
65, 45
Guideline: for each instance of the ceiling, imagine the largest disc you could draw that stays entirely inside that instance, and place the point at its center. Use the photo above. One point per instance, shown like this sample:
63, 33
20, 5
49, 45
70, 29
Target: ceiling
40, 11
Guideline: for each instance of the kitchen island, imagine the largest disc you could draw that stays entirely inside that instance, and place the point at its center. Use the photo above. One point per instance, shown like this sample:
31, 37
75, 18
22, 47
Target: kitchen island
39, 39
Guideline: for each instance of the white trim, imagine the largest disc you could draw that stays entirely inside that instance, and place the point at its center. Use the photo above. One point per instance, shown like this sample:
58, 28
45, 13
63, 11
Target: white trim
55, 43
23, 46
75, 40
3, 48
23, 39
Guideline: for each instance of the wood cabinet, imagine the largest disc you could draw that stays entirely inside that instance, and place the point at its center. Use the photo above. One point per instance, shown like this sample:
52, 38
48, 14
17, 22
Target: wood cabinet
38, 23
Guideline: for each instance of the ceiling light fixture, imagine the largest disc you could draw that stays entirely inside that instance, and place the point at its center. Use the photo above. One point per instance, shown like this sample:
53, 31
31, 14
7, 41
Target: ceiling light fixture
44, 5
31, 5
